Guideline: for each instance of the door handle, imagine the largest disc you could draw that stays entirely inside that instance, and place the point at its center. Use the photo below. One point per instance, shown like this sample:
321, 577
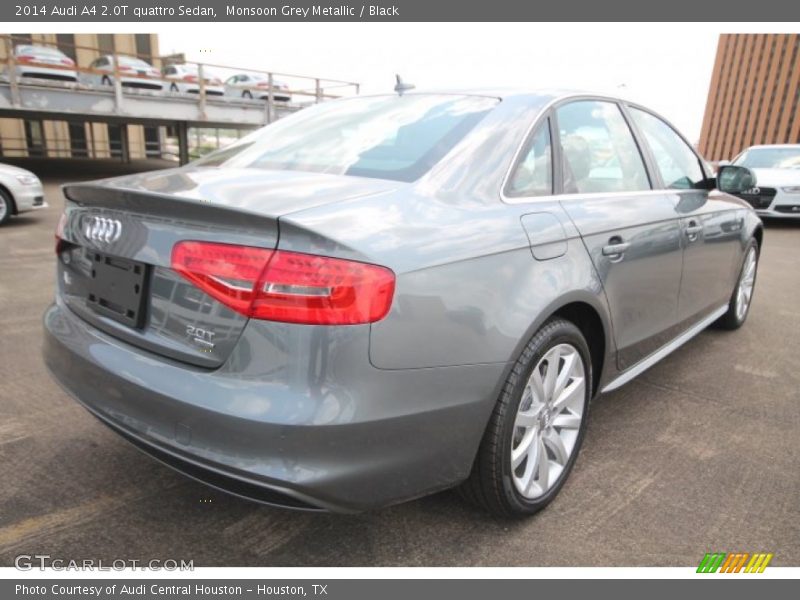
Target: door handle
693, 230
615, 249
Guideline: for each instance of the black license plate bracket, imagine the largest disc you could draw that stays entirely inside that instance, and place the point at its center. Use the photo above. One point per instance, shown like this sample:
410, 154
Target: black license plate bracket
117, 288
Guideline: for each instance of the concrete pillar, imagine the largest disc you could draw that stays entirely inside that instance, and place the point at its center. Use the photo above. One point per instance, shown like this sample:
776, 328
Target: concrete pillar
125, 143
183, 142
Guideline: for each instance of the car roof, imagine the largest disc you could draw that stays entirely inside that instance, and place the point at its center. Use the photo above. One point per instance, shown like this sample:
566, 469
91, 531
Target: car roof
542, 95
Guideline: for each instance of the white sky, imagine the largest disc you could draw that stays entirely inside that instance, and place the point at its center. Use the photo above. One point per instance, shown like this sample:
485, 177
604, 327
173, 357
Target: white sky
665, 66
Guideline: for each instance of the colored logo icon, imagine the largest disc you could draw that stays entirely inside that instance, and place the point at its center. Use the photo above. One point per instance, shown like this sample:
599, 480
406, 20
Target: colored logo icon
734, 562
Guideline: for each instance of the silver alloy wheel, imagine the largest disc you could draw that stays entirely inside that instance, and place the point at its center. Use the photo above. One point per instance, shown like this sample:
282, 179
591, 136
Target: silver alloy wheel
548, 420
4, 207
744, 291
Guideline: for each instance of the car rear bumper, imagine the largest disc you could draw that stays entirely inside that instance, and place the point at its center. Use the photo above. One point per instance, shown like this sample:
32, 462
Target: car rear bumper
210, 90
276, 96
51, 74
142, 83
312, 448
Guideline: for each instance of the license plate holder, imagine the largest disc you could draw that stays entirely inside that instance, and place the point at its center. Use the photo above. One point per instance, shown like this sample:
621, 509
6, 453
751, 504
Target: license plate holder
117, 288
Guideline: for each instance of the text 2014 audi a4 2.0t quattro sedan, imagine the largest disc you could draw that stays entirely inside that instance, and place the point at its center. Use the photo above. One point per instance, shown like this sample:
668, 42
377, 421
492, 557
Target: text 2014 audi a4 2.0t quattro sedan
381, 297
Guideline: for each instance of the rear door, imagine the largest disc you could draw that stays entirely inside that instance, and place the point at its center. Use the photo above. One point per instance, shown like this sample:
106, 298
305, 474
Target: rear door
631, 231
710, 223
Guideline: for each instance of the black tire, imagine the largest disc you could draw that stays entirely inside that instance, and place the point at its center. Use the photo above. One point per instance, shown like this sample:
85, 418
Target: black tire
733, 319
7, 207
247, 94
490, 485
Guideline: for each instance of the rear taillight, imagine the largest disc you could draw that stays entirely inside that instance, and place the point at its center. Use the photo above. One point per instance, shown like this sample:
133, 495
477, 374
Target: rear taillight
68, 61
225, 272
287, 286
190, 78
24, 58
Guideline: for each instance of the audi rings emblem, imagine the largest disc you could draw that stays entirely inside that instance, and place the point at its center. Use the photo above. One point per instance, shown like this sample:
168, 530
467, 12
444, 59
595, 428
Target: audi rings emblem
102, 230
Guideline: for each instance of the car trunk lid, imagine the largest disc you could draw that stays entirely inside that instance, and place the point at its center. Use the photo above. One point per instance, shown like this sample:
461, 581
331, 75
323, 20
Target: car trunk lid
114, 267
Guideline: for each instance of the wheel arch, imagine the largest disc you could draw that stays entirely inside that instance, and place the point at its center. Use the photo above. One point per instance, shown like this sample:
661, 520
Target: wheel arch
10, 195
588, 312
586, 318
758, 234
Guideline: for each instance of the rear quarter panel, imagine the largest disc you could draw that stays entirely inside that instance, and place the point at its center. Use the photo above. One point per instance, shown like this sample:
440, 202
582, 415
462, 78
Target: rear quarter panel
469, 290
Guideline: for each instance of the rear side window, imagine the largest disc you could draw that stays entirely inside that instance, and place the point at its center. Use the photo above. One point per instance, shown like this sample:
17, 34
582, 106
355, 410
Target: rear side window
676, 161
598, 148
533, 174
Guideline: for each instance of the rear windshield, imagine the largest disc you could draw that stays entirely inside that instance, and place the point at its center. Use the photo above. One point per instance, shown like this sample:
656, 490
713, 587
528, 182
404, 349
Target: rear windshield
40, 50
385, 137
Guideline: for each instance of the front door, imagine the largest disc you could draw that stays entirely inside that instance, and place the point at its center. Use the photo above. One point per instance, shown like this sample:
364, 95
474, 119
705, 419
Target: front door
710, 224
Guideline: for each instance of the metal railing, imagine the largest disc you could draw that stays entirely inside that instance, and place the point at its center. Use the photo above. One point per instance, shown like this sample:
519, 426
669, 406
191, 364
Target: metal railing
121, 80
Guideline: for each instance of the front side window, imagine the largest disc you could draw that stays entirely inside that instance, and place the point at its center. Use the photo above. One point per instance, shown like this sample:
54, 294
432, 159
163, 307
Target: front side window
678, 164
533, 174
598, 148
385, 137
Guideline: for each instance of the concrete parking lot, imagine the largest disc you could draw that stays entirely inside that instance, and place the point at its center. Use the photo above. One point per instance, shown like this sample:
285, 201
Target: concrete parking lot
700, 454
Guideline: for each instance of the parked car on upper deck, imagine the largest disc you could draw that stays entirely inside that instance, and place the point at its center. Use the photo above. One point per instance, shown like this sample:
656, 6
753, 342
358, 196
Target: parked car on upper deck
185, 79
256, 85
381, 297
777, 169
133, 73
44, 63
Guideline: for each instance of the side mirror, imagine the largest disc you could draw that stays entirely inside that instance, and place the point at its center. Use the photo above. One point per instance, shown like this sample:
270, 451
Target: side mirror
734, 179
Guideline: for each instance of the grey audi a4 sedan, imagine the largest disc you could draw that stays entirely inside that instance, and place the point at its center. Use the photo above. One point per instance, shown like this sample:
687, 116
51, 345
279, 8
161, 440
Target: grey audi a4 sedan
381, 297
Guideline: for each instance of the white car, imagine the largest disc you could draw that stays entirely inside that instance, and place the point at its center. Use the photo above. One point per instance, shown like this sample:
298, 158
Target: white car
44, 62
185, 79
20, 191
777, 170
256, 85
133, 73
